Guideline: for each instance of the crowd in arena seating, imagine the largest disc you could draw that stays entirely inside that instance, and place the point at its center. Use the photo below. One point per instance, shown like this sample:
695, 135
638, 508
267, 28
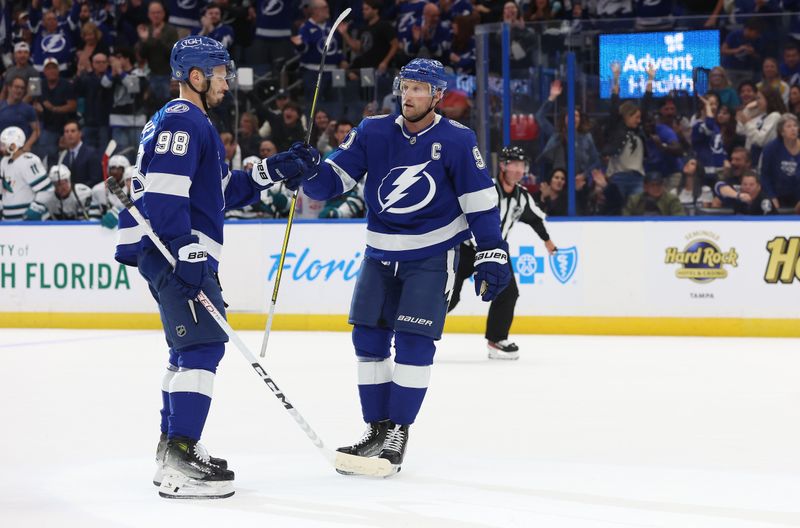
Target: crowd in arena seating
77, 74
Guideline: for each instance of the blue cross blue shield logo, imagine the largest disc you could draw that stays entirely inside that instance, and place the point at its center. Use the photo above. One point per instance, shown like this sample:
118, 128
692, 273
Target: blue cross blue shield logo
527, 265
564, 263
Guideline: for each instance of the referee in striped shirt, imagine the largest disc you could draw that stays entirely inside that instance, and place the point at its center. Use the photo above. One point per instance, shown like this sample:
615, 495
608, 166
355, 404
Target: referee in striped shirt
515, 203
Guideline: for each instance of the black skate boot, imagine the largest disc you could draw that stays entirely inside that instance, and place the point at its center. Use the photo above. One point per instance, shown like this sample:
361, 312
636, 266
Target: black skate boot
394, 447
161, 451
370, 443
504, 349
189, 474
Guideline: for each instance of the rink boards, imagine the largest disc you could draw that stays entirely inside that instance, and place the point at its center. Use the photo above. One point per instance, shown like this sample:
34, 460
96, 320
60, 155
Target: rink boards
683, 277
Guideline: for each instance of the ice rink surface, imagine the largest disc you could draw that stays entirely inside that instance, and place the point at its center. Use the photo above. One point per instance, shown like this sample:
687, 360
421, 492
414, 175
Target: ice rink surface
585, 432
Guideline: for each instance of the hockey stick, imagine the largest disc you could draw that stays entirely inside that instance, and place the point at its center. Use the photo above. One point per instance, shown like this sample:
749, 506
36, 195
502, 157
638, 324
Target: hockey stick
110, 148
352, 463
289, 221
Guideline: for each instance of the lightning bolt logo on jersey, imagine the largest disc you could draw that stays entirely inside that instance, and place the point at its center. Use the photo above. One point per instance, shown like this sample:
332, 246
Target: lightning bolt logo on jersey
404, 186
425, 192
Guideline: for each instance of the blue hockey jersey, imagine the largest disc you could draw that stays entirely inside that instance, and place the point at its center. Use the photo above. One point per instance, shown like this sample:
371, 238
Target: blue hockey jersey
313, 36
274, 18
425, 192
182, 184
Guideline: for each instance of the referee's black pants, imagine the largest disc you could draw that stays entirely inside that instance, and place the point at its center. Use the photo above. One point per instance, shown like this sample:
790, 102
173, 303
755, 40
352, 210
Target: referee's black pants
501, 309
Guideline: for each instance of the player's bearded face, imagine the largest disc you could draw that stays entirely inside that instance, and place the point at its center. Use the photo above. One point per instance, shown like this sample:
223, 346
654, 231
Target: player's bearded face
219, 85
416, 99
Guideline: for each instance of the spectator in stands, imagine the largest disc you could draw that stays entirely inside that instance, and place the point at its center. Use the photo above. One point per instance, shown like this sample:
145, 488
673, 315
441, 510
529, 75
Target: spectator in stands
249, 140
543, 10
22, 67
409, 14
691, 192
654, 200
770, 76
794, 99
211, 25
183, 16
522, 38
707, 138
490, 11
727, 127
92, 44
129, 86
269, 114
343, 127
430, 38
780, 165
310, 41
378, 44
747, 93
554, 152
233, 154
743, 48
156, 41
131, 14
321, 122
602, 196
752, 198
55, 107
83, 161
15, 112
626, 141
289, 128
451, 9
462, 48
266, 149
734, 169
52, 41
719, 83
680, 125
271, 45
455, 104
552, 194
97, 102
759, 119
790, 67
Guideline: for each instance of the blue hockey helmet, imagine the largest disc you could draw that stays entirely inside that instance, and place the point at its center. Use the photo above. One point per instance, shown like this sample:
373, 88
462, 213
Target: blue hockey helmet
422, 70
200, 52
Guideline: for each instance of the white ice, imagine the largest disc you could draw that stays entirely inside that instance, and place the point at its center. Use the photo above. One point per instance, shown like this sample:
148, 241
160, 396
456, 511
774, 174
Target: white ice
581, 432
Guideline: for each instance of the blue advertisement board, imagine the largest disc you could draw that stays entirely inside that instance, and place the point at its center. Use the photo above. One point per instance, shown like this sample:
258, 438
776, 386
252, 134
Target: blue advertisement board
675, 55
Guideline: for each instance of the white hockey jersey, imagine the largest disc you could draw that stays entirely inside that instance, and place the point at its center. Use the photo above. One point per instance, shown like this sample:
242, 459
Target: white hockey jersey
24, 181
102, 201
74, 207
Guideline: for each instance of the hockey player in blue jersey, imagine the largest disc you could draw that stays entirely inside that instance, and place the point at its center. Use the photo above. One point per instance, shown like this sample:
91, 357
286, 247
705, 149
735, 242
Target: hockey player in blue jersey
427, 191
183, 186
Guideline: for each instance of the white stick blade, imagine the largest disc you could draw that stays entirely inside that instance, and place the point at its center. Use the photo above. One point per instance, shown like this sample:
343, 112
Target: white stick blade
336, 24
370, 467
110, 148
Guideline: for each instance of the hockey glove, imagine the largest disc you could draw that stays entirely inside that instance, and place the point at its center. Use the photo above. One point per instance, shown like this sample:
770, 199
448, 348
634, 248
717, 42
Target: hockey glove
36, 211
110, 220
492, 273
191, 265
280, 167
310, 158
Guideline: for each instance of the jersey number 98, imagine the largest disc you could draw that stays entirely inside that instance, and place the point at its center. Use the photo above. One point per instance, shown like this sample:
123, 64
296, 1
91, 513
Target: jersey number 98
177, 143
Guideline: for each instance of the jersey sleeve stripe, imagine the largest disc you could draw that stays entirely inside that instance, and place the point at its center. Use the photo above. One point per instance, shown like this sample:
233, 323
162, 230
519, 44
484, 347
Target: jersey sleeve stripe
347, 181
214, 247
130, 235
396, 242
37, 181
535, 208
167, 183
477, 201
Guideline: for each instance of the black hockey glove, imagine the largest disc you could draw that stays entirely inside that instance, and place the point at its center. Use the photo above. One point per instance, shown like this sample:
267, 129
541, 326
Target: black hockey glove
191, 265
492, 273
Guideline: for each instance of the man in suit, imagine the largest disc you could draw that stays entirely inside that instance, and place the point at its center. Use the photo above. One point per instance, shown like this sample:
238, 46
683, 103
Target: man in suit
83, 161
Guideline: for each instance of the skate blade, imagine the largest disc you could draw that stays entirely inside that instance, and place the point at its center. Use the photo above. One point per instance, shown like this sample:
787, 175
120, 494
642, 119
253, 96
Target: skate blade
371, 467
504, 357
181, 487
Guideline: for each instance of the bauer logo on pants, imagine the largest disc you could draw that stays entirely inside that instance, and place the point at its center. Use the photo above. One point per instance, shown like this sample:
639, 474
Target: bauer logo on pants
564, 263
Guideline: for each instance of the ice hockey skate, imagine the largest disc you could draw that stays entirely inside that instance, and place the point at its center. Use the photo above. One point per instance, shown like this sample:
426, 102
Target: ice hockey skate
189, 474
369, 445
504, 349
161, 451
394, 446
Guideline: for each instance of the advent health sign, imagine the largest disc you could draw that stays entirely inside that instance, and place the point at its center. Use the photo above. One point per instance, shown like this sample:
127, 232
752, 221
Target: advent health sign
674, 54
